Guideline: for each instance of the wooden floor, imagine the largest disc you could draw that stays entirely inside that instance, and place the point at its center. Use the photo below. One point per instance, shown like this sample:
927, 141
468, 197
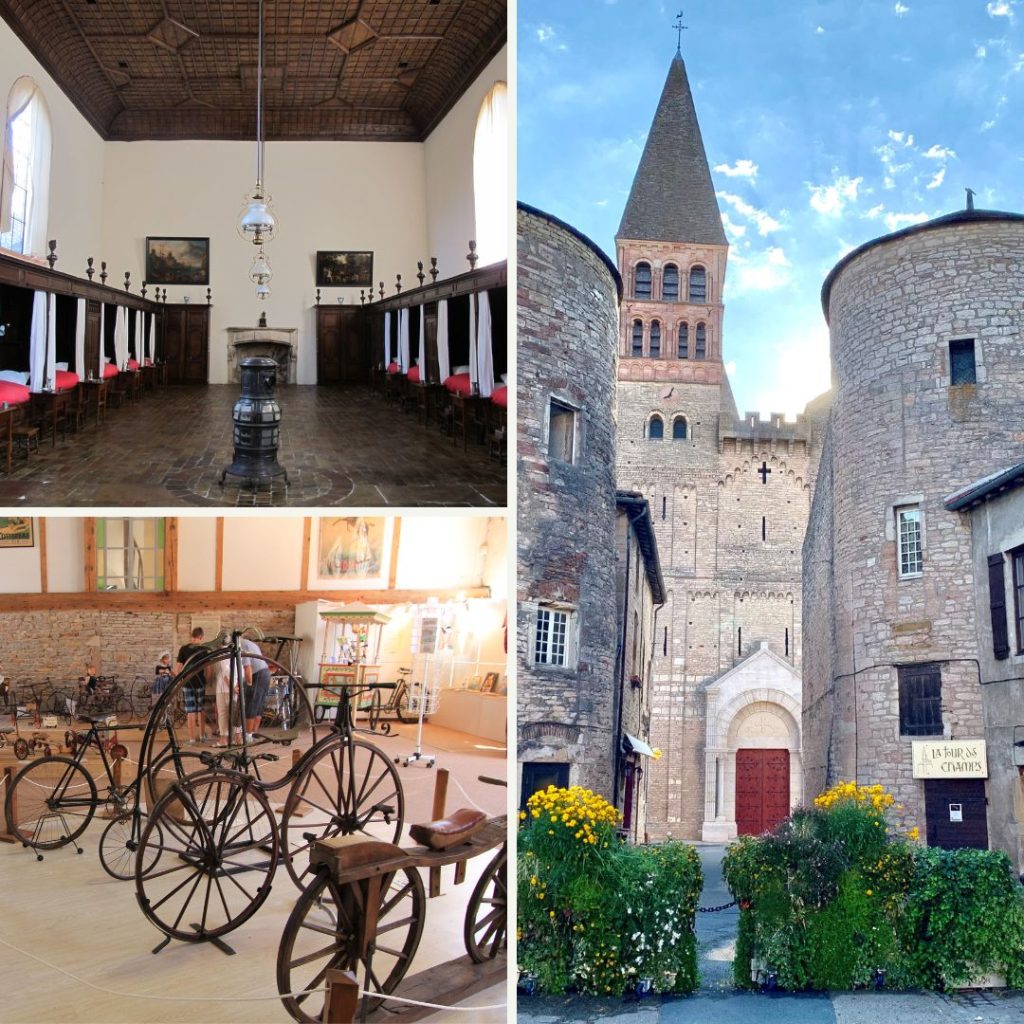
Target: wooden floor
67, 911
340, 446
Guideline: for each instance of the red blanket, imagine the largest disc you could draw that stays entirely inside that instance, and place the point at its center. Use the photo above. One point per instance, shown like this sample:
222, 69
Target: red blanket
65, 380
414, 374
133, 364
458, 384
13, 394
109, 370
499, 396
393, 368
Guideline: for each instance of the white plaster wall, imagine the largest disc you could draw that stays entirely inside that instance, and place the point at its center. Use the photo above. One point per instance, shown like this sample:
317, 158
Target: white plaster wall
441, 551
65, 554
20, 567
262, 553
197, 552
451, 220
76, 169
328, 195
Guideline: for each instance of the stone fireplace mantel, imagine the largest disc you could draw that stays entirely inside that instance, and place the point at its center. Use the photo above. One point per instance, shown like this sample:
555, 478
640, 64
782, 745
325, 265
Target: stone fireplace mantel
278, 343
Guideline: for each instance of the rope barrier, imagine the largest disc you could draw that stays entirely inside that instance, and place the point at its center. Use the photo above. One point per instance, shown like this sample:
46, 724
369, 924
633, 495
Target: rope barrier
230, 999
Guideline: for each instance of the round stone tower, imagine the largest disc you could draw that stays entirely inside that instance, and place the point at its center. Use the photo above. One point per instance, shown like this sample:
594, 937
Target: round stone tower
927, 350
568, 296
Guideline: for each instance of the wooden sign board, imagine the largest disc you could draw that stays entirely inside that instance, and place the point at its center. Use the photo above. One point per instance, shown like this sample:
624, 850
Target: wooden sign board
950, 759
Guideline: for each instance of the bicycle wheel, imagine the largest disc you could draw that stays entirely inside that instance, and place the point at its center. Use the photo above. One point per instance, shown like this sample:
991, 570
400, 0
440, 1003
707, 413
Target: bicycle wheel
402, 707
118, 849
219, 847
323, 931
169, 768
50, 803
485, 930
333, 796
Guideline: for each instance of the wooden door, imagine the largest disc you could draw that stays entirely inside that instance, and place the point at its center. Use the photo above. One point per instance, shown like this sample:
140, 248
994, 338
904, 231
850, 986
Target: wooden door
186, 342
956, 813
92, 338
340, 346
762, 789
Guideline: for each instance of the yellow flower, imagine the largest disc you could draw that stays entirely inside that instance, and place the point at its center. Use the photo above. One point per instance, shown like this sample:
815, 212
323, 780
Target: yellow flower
914, 834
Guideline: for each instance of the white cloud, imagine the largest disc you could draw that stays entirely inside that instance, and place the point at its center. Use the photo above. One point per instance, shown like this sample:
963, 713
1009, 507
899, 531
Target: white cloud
819, 31
900, 9
762, 220
797, 370
600, 202
829, 200
980, 52
546, 35
740, 169
939, 153
987, 126
875, 212
733, 230
895, 221
1000, 9
730, 368
903, 138
762, 272
938, 179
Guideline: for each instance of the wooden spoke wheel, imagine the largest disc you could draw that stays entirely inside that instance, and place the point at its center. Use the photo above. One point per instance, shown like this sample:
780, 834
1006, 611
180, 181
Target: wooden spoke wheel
485, 931
324, 930
170, 767
218, 850
21, 749
118, 848
50, 803
349, 786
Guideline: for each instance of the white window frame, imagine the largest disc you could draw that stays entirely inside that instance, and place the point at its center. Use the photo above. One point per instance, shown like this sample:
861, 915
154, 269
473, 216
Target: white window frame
904, 549
542, 637
576, 433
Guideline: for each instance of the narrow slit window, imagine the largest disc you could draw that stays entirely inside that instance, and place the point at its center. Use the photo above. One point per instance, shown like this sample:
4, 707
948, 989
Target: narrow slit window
787, 641
664, 506
702, 342
684, 341
655, 346
638, 338
739, 640
664, 641
764, 527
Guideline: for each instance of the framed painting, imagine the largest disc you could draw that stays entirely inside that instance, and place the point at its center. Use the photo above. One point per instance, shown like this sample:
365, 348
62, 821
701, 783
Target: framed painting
177, 260
344, 269
354, 551
490, 683
16, 532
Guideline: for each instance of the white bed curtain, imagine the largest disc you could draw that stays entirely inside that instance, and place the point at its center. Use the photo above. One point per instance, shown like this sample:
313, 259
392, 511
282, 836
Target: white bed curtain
80, 339
37, 343
474, 370
121, 337
421, 360
151, 344
103, 338
140, 355
485, 354
24, 93
387, 339
403, 340
51, 341
444, 365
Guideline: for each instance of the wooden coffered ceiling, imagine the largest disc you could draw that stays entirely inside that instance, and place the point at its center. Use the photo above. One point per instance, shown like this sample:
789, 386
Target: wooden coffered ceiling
383, 70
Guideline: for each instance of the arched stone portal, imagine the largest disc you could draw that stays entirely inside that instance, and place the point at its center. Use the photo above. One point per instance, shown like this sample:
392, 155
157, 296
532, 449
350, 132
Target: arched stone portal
754, 707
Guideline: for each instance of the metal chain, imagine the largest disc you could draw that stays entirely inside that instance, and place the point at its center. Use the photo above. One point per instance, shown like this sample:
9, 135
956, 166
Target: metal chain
714, 910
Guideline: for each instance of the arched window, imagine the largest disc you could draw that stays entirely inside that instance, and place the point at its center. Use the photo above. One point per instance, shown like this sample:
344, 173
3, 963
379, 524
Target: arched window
490, 176
679, 428
655, 346
698, 285
684, 341
702, 343
638, 338
25, 184
655, 428
642, 281
670, 283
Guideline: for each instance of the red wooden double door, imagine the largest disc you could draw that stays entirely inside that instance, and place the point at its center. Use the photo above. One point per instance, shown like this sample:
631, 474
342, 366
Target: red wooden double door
762, 789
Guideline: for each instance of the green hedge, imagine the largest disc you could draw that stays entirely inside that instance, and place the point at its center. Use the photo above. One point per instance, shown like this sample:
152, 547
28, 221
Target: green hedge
595, 915
834, 899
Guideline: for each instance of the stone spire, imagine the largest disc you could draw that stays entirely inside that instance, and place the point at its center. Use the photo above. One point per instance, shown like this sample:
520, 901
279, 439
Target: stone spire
672, 198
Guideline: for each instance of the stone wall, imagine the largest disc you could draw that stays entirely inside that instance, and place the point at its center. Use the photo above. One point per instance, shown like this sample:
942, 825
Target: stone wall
901, 434
567, 335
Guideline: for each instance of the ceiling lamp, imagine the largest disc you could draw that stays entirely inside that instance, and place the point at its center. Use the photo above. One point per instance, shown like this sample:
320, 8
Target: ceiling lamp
260, 274
257, 223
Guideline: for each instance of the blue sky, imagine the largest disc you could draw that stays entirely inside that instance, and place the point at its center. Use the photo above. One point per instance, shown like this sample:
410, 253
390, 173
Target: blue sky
826, 124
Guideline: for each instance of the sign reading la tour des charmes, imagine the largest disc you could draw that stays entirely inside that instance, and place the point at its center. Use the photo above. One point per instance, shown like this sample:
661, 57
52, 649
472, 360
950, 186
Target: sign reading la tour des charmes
950, 759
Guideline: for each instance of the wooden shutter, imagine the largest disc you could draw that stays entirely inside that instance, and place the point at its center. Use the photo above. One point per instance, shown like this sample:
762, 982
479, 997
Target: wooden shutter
997, 606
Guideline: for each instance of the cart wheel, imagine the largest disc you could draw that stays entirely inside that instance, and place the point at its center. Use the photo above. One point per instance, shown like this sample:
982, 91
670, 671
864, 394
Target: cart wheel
70, 740
344, 787
373, 711
21, 749
216, 835
323, 932
50, 802
485, 931
118, 751
118, 849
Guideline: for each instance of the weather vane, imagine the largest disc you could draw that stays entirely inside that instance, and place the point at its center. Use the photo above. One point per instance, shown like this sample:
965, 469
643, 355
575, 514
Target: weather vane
679, 26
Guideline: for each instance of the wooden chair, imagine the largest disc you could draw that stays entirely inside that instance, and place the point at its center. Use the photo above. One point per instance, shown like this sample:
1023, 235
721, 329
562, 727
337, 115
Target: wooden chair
25, 437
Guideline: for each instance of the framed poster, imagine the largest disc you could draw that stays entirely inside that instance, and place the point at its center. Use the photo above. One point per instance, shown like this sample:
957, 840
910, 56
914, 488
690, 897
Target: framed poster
177, 260
490, 683
354, 551
344, 269
16, 532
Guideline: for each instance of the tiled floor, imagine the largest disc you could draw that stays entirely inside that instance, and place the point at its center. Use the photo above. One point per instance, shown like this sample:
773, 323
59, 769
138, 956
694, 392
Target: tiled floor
340, 446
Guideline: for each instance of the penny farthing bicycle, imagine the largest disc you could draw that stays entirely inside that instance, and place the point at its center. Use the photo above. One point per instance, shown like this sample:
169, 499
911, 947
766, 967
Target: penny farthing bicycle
208, 850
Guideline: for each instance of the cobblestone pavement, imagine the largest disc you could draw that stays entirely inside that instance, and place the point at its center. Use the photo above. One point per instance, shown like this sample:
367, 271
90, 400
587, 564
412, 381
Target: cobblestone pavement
718, 1002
